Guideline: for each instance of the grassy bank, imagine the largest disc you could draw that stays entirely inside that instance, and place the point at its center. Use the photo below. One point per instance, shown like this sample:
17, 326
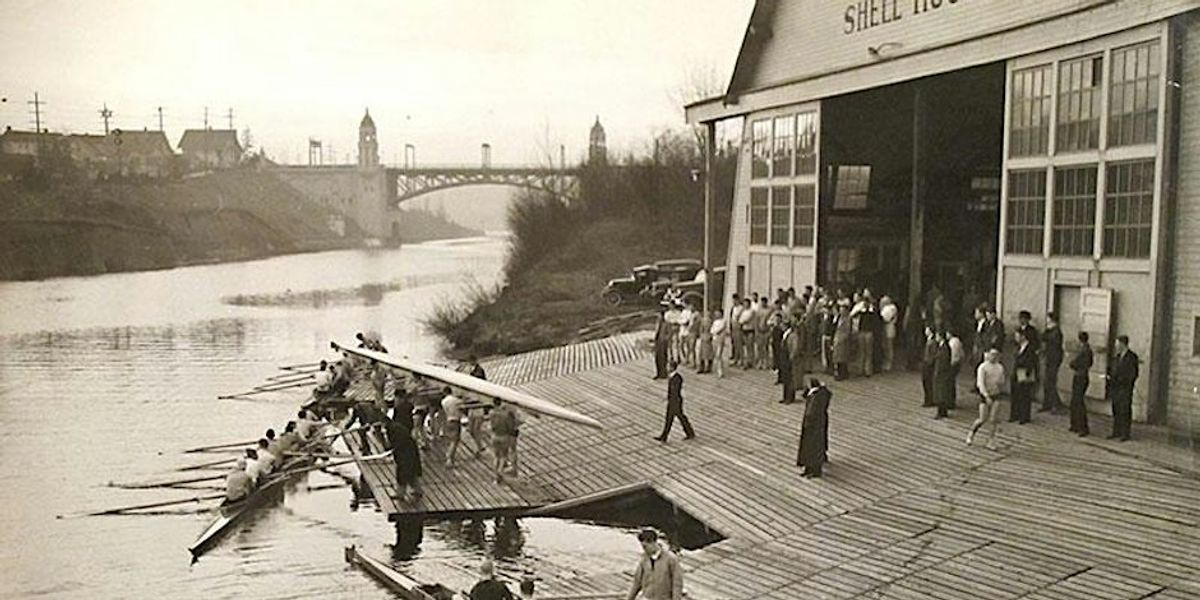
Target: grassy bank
85, 228
562, 256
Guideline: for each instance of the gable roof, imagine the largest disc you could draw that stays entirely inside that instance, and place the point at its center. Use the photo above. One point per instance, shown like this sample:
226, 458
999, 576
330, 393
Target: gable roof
144, 142
758, 31
209, 140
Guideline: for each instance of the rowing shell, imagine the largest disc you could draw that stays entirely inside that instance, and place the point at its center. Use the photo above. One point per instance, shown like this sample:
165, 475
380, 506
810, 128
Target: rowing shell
230, 513
469, 386
233, 512
395, 581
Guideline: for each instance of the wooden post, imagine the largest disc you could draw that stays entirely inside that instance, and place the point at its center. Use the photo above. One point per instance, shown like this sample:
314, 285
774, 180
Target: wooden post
710, 146
917, 225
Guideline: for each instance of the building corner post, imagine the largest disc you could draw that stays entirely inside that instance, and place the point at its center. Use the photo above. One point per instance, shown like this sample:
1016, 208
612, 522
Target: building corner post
710, 145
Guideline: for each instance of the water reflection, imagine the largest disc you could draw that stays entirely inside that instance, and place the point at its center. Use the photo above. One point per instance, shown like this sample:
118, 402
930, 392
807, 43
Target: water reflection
410, 532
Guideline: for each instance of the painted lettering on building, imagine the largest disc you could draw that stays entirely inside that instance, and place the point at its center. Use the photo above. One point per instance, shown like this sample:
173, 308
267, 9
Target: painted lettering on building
869, 14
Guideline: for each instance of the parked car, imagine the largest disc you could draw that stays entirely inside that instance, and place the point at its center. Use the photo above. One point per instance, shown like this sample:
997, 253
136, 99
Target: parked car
693, 290
646, 283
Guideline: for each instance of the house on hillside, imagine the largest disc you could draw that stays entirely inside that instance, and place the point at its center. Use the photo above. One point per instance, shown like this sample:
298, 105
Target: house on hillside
210, 149
142, 153
25, 143
129, 153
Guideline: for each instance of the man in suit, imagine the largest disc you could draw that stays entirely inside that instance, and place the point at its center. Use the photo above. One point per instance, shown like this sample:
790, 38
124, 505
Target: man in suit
1025, 378
1122, 374
662, 341
1052, 353
992, 330
789, 348
1080, 364
814, 430
675, 406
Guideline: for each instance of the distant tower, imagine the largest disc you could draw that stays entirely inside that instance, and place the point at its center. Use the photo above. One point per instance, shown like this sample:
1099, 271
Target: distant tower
368, 145
597, 147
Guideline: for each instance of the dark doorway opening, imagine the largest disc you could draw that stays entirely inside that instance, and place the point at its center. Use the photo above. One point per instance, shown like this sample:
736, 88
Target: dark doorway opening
911, 189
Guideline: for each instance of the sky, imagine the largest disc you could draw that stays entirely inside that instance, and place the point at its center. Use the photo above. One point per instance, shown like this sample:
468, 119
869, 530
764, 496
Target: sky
444, 75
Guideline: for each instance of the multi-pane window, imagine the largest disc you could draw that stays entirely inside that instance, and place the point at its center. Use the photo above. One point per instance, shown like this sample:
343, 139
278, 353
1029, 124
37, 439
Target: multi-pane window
1079, 87
1026, 215
761, 149
1031, 98
804, 215
1133, 95
852, 187
781, 209
1128, 209
758, 215
806, 143
1073, 228
781, 163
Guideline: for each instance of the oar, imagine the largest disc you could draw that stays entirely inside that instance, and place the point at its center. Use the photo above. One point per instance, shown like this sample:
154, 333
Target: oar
265, 390
282, 377
299, 366
283, 382
221, 446
123, 509
207, 465
156, 484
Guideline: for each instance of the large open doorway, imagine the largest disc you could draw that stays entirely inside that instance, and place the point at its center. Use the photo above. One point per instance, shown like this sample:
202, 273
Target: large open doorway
911, 189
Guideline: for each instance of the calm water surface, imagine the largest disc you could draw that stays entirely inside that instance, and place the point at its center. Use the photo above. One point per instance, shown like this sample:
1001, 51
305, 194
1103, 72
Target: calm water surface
107, 379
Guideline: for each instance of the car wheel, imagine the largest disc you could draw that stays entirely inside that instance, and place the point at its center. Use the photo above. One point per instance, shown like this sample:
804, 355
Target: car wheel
613, 298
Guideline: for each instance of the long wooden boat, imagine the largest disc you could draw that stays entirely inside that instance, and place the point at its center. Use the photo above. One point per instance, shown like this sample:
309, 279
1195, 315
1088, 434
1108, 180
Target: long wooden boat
270, 490
398, 583
230, 513
473, 388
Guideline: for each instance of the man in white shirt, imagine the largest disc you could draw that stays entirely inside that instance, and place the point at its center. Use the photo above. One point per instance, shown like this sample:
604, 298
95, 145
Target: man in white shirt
746, 322
735, 330
991, 382
720, 333
888, 314
254, 467
452, 411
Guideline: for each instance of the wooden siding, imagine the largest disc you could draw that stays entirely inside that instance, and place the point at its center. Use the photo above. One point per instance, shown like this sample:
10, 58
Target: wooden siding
795, 64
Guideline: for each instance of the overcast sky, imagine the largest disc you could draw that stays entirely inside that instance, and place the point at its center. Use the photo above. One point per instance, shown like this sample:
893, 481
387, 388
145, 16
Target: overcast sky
444, 75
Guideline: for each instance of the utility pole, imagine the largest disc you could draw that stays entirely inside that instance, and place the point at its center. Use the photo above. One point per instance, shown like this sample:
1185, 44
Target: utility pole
105, 114
229, 115
160, 119
37, 112
206, 117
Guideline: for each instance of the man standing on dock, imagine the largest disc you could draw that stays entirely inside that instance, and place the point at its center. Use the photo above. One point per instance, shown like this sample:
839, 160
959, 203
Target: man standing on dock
659, 575
675, 406
1122, 374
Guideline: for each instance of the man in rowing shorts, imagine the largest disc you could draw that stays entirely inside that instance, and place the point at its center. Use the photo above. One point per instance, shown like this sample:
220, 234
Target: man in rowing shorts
452, 409
503, 425
991, 384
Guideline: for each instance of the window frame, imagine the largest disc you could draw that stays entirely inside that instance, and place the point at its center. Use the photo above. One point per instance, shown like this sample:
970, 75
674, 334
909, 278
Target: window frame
1157, 32
805, 122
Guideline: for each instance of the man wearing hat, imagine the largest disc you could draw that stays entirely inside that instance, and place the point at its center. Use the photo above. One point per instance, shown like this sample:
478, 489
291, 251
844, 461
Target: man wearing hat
659, 575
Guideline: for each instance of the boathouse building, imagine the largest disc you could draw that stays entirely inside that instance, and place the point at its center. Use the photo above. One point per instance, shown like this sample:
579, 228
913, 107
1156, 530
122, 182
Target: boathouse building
1043, 155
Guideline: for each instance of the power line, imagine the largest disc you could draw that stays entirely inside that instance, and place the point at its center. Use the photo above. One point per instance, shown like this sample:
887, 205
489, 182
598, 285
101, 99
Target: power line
105, 113
37, 112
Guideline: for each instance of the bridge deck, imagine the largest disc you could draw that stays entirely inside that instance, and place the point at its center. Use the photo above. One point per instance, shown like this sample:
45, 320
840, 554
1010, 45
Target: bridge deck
905, 510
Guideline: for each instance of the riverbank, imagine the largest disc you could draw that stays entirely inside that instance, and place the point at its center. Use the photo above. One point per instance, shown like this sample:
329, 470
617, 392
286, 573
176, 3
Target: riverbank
562, 255
95, 227
548, 302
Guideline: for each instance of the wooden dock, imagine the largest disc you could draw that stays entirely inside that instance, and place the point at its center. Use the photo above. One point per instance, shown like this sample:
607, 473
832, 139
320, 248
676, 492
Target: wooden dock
905, 510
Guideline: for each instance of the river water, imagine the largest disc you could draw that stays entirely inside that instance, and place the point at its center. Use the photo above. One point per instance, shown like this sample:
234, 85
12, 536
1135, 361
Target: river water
108, 378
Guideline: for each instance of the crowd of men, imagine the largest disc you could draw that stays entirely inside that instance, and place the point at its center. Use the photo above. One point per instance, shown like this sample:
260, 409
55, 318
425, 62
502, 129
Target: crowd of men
856, 334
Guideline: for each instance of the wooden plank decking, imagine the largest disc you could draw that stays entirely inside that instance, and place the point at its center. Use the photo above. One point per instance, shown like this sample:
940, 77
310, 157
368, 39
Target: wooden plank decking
905, 511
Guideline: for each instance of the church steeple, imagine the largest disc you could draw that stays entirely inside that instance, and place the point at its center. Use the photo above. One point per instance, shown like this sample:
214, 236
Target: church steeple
597, 145
368, 144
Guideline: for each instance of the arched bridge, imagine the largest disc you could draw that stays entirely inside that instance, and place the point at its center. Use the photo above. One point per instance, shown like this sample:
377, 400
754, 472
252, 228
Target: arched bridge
410, 182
